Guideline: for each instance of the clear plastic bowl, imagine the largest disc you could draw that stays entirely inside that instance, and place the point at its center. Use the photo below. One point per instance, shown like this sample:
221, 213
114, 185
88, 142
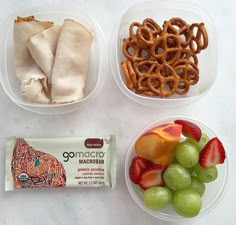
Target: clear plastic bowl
214, 191
56, 14
160, 11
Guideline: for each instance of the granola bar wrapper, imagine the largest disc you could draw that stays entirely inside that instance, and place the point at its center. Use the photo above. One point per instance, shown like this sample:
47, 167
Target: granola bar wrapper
60, 162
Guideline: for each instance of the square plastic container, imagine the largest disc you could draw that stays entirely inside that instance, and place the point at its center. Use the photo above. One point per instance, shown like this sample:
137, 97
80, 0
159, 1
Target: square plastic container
56, 14
161, 11
214, 191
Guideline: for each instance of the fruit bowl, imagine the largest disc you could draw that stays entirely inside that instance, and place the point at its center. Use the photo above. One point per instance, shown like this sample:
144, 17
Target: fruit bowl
214, 191
160, 11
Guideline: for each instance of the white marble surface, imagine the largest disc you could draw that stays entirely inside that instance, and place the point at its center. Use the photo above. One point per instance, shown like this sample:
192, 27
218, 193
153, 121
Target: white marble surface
112, 112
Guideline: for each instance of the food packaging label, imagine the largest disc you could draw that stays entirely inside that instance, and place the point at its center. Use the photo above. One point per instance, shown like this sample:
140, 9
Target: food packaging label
60, 162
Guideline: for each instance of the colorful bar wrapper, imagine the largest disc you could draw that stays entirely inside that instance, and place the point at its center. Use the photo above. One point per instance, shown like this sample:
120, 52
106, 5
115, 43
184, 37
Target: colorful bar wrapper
60, 162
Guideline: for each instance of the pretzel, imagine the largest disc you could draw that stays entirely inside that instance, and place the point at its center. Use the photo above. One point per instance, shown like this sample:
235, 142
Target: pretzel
143, 85
133, 52
164, 53
188, 75
179, 27
199, 39
145, 36
145, 67
183, 87
132, 74
132, 33
153, 26
124, 67
165, 88
167, 82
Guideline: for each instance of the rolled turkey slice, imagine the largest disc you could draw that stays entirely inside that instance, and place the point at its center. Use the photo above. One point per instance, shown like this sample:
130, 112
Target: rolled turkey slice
70, 66
32, 78
43, 46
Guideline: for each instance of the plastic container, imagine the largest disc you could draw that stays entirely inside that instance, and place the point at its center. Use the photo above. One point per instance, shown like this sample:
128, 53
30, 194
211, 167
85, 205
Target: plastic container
161, 11
56, 14
214, 191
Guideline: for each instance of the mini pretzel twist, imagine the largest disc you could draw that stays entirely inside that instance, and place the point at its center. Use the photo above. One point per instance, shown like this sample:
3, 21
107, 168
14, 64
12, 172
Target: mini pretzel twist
167, 82
145, 33
153, 26
145, 36
200, 38
165, 53
143, 84
188, 73
183, 87
133, 52
132, 32
145, 67
179, 27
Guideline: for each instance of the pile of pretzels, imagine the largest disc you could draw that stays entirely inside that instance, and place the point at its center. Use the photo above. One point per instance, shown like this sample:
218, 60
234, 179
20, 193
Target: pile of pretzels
163, 61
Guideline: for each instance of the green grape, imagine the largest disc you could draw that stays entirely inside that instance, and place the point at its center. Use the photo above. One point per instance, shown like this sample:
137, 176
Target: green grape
198, 186
187, 202
206, 175
204, 139
187, 154
157, 197
177, 177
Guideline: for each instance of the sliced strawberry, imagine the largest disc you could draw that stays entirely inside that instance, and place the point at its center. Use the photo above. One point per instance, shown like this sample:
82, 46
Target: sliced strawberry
137, 166
213, 153
190, 129
152, 176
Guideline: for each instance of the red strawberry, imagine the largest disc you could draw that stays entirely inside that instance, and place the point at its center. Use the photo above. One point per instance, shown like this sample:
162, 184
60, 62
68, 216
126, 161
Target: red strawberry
213, 153
152, 176
137, 166
190, 129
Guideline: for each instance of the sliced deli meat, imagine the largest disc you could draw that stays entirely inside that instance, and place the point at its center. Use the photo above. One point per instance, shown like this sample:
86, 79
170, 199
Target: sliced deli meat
71, 63
32, 78
43, 47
